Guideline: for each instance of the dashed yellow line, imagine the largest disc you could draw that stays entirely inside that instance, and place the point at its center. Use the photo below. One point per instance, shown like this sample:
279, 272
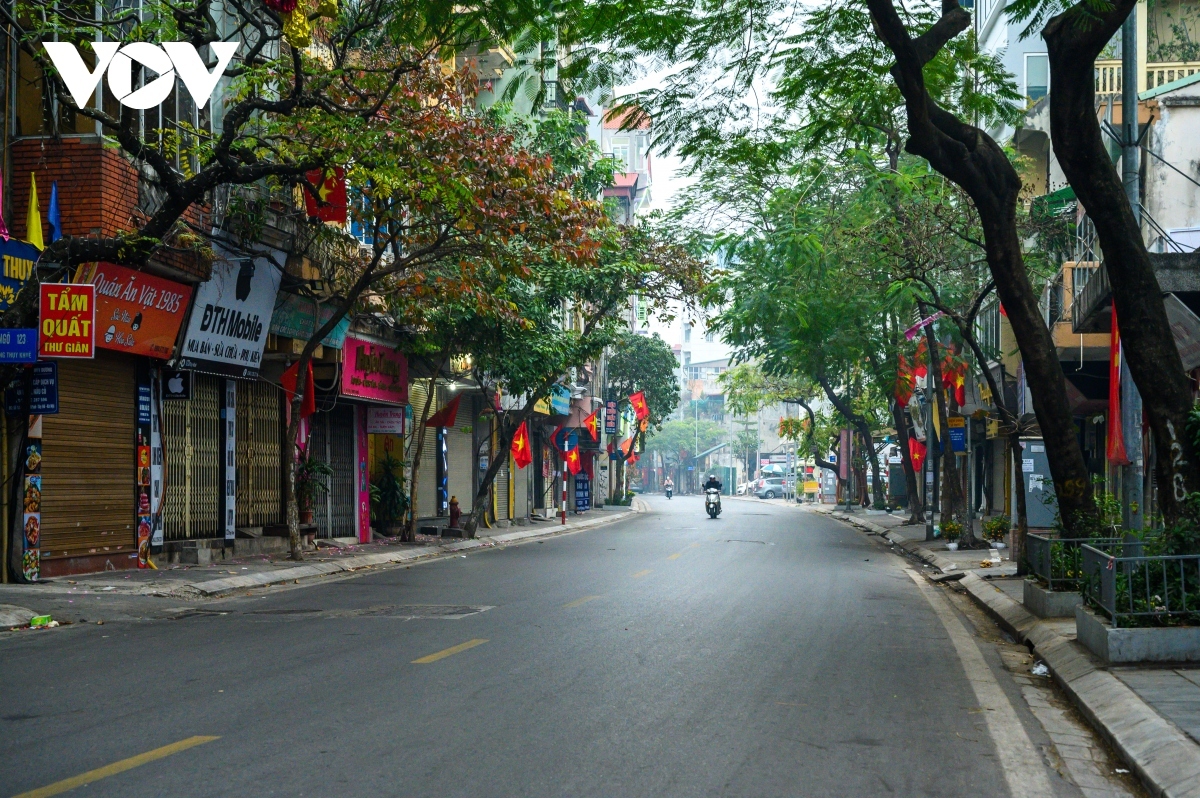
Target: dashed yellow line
449, 652
115, 768
676, 555
641, 573
577, 602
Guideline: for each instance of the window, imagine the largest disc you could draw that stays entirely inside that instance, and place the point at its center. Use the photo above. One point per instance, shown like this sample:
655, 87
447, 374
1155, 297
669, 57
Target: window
708, 336
687, 333
1037, 75
621, 154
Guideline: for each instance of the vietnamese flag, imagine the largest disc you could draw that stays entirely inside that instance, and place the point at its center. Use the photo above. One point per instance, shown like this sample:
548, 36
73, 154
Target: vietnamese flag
627, 446
916, 452
522, 455
308, 404
1116, 430
592, 425
638, 400
331, 193
573, 464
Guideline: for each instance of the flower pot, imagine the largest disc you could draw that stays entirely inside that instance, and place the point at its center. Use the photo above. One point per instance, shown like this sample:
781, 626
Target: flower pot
953, 546
306, 516
999, 544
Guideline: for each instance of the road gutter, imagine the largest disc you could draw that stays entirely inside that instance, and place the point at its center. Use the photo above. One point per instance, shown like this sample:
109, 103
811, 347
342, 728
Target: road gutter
1164, 758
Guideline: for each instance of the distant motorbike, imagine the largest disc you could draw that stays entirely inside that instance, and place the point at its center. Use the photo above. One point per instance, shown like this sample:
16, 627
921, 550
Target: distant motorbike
668, 491
712, 502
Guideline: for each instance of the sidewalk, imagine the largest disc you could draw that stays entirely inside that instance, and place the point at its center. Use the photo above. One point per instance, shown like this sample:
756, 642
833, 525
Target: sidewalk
192, 582
1150, 715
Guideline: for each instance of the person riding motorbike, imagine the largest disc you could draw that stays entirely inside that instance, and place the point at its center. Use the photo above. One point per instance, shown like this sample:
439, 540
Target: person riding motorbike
668, 486
713, 484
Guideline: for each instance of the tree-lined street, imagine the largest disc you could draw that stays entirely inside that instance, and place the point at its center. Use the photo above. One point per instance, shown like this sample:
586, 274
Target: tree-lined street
774, 651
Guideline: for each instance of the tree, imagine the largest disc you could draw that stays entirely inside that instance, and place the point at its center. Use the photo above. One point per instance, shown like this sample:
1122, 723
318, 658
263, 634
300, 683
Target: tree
646, 364
451, 207
679, 441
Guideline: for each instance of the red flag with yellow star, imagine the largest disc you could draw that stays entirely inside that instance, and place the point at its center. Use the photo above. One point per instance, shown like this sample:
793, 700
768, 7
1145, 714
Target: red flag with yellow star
331, 189
573, 464
521, 453
592, 425
638, 400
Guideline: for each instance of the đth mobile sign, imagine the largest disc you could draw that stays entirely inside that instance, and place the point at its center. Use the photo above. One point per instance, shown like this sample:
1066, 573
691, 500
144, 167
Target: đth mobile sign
68, 320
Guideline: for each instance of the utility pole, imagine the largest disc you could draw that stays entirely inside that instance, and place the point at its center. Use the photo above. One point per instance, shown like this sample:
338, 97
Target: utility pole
1131, 401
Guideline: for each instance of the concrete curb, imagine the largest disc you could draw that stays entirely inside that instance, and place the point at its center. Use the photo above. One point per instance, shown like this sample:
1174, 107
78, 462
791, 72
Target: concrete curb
217, 587
1165, 759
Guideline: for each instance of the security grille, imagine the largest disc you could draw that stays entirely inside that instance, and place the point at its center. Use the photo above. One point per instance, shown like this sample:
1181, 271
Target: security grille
192, 449
333, 441
259, 464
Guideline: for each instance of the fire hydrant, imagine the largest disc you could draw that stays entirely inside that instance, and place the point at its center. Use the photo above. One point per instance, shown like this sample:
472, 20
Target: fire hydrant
455, 512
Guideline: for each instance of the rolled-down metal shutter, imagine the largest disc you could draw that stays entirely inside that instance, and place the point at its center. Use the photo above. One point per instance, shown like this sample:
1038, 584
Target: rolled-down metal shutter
89, 450
259, 454
333, 442
427, 491
192, 447
500, 488
460, 456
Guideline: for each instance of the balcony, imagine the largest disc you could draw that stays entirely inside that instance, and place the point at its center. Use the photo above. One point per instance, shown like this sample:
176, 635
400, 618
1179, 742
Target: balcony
1158, 73
1177, 274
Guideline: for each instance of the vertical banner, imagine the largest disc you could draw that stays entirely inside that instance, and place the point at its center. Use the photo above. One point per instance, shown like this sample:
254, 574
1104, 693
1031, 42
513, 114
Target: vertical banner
363, 484
583, 493
143, 510
31, 558
156, 462
844, 454
229, 419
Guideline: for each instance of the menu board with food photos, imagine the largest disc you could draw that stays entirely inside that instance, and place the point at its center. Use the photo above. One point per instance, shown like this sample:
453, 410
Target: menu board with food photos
142, 474
31, 534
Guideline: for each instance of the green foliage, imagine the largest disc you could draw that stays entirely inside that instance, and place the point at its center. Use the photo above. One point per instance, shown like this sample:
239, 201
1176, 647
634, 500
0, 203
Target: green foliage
645, 363
388, 496
311, 477
951, 530
677, 441
997, 527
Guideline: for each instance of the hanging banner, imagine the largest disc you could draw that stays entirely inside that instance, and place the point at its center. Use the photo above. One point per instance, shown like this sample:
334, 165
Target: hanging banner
610, 417
143, 504
299, 317
361, 451
372, 371
844, 454
19, 259
957, 433
912, 331
31, 538
231, 317
68, 321
137, 312
156, 463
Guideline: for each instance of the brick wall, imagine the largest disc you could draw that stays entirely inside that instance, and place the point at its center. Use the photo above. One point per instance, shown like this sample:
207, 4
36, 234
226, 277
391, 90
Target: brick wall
97, 193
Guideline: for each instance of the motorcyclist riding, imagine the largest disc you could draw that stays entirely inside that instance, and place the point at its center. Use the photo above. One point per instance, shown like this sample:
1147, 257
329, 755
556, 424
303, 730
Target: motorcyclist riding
668, 486
712, 498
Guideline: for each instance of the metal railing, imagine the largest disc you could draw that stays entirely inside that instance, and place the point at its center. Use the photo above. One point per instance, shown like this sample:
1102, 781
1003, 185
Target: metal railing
1140, 590
1058, 561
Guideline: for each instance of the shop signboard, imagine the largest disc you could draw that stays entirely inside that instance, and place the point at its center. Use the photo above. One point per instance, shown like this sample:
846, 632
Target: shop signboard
176, 384
385, 420
560, 400
18, 345
610, 417
958, 433
136, 312
373, 371
583, 492
231, 317
296, 317
44, 392
19, 259
68, 320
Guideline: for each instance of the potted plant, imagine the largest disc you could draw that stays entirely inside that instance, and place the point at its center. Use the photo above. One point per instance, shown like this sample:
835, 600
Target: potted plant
995, 530
311, 478
388, 496
951, 531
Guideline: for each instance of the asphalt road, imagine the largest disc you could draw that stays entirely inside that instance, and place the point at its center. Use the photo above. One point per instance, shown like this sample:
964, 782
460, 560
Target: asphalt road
771, 652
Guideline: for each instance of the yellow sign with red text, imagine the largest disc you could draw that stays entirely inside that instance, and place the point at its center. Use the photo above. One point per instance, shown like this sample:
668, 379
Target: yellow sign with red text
68, 320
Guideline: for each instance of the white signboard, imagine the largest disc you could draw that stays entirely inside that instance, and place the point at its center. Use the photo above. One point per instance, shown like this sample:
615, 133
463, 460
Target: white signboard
231, 317
385, 420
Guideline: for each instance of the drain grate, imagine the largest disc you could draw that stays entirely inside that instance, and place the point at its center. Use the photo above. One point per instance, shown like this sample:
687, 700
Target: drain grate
408, 612
759, 542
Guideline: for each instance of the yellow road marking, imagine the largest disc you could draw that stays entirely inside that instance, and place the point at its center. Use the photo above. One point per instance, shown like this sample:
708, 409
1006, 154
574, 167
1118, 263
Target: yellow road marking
641, 573
115, 768
676, 555
577, 602
449, 652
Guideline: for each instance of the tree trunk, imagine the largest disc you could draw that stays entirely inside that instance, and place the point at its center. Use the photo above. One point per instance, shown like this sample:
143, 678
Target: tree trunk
858, 422
410, 528
970, 158
1150, 351
1021, 530
915, 511
953, 502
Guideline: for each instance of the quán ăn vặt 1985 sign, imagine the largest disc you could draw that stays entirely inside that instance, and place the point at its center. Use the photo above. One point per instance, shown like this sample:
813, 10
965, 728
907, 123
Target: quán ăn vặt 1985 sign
68, 320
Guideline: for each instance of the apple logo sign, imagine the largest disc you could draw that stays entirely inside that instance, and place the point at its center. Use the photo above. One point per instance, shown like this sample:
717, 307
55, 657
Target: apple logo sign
175, 384
245, 275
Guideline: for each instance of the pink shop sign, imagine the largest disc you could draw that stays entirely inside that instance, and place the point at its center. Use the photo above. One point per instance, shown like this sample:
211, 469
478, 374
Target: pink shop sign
372, 371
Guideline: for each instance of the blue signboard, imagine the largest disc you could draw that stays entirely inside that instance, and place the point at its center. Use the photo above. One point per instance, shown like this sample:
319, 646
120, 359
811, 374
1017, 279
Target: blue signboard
610, 417
44, 397
18, 258
18, 345
583, 492
560, 400
958, 439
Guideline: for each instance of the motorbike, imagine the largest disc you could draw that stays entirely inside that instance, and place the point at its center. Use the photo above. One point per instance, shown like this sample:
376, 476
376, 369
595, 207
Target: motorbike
668, 492
712, 502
